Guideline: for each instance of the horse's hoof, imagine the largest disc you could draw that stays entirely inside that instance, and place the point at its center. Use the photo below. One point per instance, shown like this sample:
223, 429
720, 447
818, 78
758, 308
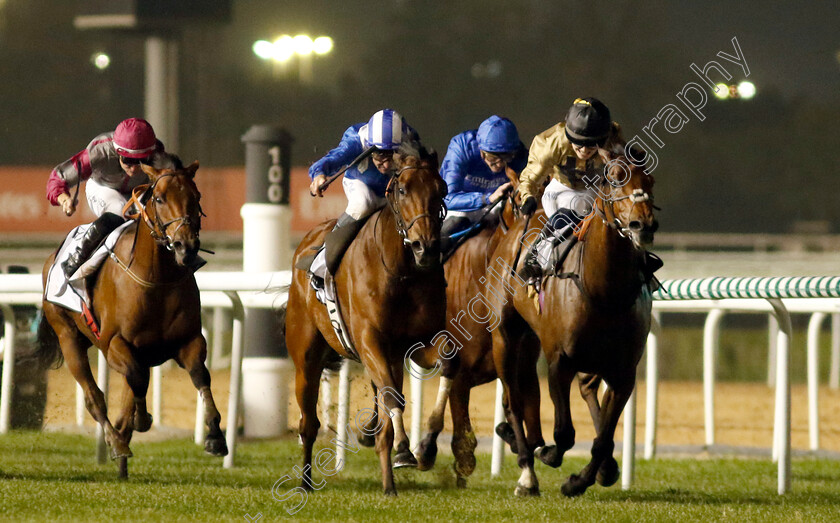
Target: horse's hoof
216, 447
525, 492
550, 455
142, 423
390, 492
608, 473
366, 440
461, 482
426, 454
573, 486
120, 450
505, 431
405, 459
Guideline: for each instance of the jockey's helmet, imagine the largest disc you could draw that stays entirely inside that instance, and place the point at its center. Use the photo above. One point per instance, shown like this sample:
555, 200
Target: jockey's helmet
134, 138
497, 135
385, 130
588, 122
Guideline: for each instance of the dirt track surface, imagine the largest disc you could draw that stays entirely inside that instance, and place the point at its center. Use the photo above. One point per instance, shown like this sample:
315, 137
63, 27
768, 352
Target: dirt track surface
743, 413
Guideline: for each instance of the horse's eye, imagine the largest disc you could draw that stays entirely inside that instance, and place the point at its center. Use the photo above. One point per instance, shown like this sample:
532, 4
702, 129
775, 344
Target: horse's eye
402, 190
158, 200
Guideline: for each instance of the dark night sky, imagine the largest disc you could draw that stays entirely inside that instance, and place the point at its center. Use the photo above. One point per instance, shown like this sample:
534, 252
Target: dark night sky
418, 56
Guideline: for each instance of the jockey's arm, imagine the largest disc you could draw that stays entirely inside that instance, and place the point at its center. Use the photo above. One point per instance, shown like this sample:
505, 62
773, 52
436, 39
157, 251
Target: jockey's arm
454, 170
66, 175
542, 158
346, 151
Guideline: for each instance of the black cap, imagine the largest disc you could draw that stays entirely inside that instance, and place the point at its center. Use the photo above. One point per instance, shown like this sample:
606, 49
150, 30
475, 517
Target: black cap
588, 122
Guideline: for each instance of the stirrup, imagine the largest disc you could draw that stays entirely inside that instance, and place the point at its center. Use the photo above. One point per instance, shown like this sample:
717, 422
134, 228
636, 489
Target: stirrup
530, 270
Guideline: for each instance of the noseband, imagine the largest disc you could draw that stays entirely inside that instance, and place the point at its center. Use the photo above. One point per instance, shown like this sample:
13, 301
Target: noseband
393, 203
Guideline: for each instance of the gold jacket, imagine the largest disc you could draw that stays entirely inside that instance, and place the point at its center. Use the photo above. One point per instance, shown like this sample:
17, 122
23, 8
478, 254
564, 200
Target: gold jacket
551, 154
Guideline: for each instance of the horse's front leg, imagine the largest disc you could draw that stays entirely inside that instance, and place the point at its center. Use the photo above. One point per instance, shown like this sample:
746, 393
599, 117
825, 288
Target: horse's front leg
463, 437
589, 384
427, 449
387, 376
507, 367
191, 357
560, 376
602, 448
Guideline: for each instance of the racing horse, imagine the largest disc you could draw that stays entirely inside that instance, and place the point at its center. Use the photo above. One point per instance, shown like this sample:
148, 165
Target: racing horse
593, 317
149, 311
391, 290
466, 273
469, 272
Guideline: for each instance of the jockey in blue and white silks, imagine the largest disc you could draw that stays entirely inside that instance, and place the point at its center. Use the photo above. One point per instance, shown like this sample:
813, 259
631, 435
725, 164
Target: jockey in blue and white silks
474, 170
365, 183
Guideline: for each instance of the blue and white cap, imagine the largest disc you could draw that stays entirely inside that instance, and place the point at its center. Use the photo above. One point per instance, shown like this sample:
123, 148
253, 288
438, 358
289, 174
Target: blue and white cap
385, 130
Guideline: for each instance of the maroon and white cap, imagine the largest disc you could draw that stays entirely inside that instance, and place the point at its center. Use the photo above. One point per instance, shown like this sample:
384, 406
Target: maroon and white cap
134, 138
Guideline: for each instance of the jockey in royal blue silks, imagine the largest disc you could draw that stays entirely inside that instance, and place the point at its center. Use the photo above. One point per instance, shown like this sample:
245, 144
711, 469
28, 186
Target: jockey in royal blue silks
474, 171
365, 182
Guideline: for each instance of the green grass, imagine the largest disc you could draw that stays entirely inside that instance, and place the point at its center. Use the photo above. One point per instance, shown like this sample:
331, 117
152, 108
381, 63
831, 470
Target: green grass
53, 477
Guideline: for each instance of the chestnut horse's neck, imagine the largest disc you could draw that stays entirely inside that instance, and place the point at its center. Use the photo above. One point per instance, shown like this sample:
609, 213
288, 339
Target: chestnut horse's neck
150, 259
611, 265
394, 258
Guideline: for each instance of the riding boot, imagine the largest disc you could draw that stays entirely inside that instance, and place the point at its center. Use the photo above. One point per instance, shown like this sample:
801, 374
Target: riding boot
339, 239
96, 233
451, 225
652, 264
556, 230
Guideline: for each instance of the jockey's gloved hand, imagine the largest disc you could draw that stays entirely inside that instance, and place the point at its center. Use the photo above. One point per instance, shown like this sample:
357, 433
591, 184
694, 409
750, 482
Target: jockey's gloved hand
529, 206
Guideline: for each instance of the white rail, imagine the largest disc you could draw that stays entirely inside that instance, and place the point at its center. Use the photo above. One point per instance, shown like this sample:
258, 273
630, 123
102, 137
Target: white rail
218, 289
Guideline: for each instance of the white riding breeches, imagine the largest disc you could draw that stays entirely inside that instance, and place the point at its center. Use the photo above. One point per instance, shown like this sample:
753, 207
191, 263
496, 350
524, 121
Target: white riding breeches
361, 200
102, 199
559, 196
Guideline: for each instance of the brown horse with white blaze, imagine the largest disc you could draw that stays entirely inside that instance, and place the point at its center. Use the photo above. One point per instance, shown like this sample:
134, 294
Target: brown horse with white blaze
391, 290
592, 317
147, 302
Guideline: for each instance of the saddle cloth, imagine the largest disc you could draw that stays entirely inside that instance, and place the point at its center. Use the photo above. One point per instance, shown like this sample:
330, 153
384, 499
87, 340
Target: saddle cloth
71, 293
324, 287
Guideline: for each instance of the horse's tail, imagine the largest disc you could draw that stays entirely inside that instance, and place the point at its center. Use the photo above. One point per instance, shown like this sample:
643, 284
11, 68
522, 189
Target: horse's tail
281, 312
47, 349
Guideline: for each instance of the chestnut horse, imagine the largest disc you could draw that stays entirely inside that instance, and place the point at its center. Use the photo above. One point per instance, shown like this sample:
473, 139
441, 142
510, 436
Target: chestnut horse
467, 275
148, 306
391, 290
594, 318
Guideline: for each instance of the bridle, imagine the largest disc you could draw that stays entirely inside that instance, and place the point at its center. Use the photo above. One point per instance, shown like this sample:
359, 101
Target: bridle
613, 221
144, 195
391, 192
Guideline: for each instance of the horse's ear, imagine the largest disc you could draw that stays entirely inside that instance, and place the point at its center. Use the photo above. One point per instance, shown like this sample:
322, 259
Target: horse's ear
150, 171
191, 169
605, 154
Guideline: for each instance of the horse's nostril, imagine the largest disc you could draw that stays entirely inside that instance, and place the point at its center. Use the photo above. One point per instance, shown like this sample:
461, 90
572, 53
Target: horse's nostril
416, 246
636, 225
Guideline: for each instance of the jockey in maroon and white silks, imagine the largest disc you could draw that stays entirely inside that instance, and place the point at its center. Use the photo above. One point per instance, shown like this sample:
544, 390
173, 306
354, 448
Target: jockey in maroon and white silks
111, 166
109, 185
